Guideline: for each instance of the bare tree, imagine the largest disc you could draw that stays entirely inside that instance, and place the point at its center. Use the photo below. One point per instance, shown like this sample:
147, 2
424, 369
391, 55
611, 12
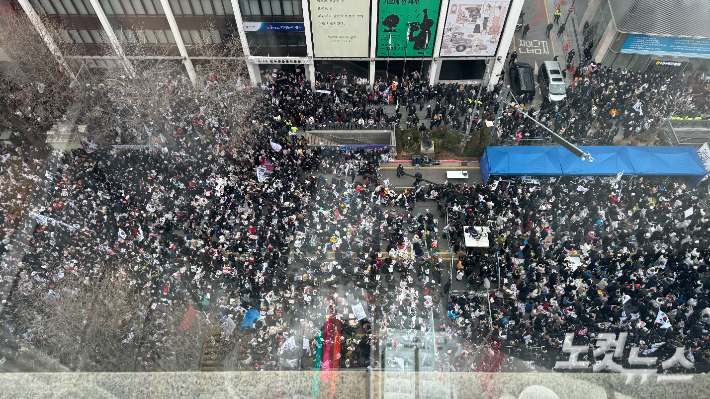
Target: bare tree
34, 89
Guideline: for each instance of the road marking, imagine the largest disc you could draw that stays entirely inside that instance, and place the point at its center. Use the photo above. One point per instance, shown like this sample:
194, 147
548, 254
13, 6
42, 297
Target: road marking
533, 47
548, 22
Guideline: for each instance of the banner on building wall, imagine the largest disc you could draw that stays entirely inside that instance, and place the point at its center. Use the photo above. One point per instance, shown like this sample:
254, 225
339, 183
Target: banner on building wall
407, 28
341, 28
666, 46
473, 28
273, 26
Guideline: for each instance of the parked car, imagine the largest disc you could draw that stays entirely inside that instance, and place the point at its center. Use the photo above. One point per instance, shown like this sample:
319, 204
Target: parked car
552, 82
522, 78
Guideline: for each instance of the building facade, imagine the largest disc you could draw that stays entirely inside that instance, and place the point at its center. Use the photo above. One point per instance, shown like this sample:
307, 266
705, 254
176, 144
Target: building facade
446, 40
650, 35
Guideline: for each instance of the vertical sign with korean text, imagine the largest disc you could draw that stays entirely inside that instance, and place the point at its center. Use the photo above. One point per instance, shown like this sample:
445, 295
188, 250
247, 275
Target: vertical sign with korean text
473, 27
340, 28
407, 28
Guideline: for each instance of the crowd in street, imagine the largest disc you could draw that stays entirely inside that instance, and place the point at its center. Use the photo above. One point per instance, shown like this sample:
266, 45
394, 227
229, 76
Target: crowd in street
324, 265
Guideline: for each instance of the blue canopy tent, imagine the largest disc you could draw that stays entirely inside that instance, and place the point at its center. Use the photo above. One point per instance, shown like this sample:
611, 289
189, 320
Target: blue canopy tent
608, 160
519, 161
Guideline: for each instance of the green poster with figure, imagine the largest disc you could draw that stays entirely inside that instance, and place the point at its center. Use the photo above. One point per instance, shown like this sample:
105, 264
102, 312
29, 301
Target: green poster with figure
406, 28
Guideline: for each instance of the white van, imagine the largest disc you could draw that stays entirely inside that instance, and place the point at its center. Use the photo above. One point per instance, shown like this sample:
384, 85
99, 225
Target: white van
552, 83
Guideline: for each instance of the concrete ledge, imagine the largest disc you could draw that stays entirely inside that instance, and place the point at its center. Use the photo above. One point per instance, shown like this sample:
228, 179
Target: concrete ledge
343, 384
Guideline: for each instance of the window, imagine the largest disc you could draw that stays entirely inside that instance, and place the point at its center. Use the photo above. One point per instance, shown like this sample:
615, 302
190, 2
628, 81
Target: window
69, 7
162, 38
176, 7
65, 36
266, 7
186, 36
116, 5
59, 7
227, 7
85, 36
150, 35
75, 36
129, 35
80, 7
297, 7
218, 7
138, 7
169, 35
254, 6
107, 7
158, 7
185, 5
127, 7
288, 7
96, 35
243, 6
48, 7
276, 7
197, 7
195, 36
90, 8
215, 37
149, 7
207, 7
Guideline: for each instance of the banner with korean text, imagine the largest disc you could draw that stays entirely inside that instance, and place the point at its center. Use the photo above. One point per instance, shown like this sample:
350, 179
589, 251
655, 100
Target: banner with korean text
341, 28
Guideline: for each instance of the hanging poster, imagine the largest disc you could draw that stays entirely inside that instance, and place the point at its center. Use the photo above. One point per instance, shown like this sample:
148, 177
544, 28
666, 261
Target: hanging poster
341, 28
406, 28
473, 27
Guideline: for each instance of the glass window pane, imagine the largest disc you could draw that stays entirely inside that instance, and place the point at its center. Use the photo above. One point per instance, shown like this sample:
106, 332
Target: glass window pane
151, 36
176, 7
140, 35
96, 36
227, 7
161, 36
185, 5
159, 7
37, 7
288, 7
91, 63
282, 38
186, 36
149, 9
265, 7
69, 7
75, 36
215, 37
67, 39
218, 7
80, 7
48, 7
127, 7
101, 63
243, 7
276, 7
138, 7
119, 36
254, 5
59, 7
207, 7
301, 39
116, 5
90, 8
107, 7
85, 36
195, 36
129, 35
297, 7
197, 7
169, 35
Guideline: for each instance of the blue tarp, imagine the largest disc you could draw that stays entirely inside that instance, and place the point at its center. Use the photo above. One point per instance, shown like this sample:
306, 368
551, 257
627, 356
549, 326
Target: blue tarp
528, 160
252, 314
608, 160
666, 161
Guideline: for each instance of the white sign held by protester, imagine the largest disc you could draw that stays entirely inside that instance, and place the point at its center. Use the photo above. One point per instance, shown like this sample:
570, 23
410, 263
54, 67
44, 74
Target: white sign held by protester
359, 311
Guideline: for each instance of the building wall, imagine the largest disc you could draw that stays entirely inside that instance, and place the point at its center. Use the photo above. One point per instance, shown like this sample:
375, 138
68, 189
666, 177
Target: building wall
272, 28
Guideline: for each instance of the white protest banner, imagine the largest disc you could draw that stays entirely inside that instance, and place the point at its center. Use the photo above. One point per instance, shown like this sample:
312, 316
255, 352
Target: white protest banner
359, 311
688, 212
276, 146
290, 343
662, 320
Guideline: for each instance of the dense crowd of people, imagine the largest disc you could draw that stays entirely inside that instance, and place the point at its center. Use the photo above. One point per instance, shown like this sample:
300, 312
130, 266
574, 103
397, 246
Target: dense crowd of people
323, 264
